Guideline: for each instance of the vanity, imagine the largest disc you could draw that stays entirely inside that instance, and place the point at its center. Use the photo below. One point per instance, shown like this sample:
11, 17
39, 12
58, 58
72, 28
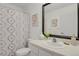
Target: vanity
43, 48
60, 21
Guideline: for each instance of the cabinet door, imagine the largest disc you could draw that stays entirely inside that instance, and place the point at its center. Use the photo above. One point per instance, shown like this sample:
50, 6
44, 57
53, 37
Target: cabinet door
34, 50
43, 53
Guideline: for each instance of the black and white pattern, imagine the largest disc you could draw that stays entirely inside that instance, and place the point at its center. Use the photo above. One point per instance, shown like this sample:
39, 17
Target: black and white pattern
11, 38
11, 11
2, 34
2, 14
2, 24
2, 43
11, 29
11, 33
11, 46
10, 20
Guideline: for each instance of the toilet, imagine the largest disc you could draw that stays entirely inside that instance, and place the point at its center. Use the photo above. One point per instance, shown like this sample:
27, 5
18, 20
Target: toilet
23, 52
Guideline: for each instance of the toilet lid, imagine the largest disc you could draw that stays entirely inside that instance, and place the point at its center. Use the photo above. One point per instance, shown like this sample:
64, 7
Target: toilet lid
23, 51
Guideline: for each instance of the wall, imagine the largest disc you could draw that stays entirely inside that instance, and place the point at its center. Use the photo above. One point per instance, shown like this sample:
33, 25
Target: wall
13, 29
35, 31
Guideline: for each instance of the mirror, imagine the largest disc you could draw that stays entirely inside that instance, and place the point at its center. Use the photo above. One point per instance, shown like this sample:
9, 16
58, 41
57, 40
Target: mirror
60, 19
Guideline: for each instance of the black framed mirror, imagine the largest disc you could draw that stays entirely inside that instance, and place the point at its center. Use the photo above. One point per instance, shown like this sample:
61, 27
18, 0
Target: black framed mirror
68, 20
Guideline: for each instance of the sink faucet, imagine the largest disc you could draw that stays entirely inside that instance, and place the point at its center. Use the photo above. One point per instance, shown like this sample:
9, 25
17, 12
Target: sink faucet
54, 39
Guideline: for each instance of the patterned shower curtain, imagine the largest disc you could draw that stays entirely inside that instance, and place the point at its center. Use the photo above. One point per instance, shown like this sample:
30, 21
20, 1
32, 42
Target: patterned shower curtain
13, 30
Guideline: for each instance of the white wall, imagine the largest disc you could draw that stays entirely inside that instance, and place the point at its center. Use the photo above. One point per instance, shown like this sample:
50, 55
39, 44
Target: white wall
35, 8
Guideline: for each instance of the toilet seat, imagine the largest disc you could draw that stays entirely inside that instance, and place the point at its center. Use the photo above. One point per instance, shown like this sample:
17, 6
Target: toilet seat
23, 52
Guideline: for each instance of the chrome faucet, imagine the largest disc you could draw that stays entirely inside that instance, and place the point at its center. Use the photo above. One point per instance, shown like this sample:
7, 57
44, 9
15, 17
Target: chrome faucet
54, 39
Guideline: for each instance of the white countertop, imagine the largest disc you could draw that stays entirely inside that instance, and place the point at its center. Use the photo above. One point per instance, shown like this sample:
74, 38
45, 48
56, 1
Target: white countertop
66, 50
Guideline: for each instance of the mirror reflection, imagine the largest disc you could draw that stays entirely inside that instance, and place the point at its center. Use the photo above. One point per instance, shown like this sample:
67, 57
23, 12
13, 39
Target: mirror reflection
61, 19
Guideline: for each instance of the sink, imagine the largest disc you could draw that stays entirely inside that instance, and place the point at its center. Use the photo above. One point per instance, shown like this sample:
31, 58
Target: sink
55, 44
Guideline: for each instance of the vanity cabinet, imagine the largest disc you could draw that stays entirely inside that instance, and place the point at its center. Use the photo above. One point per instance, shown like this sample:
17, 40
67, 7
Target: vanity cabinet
39, 51
34, 50
40, 48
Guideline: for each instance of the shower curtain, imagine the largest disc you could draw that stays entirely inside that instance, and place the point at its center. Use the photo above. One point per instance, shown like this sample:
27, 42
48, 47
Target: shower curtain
13, 30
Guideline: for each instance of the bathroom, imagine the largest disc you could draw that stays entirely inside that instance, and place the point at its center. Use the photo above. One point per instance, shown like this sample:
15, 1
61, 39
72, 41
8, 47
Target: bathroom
39, 29
15, 26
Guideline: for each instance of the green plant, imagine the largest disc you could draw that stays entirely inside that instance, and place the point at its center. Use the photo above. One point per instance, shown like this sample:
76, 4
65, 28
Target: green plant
47, 34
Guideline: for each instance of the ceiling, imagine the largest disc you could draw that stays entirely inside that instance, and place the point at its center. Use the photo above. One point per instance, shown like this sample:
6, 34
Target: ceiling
55, 6
26, 6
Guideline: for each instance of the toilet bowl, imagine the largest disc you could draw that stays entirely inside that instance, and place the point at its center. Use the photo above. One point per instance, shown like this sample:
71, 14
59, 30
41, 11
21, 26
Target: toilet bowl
23, 52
